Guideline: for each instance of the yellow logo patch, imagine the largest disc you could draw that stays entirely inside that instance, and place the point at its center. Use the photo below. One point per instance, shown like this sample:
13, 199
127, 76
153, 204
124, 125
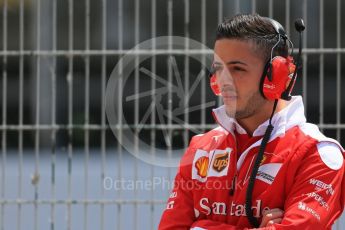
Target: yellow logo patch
202, 165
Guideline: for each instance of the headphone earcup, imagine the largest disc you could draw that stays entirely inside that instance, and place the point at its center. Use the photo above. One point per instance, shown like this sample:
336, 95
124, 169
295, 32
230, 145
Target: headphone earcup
264, 77
280, 69
214, 85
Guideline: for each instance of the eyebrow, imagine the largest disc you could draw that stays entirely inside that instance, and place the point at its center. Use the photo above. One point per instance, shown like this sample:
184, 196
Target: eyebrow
231, 63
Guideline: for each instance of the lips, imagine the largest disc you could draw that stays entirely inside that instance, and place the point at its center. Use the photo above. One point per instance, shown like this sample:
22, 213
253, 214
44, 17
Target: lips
229, 94
229, 98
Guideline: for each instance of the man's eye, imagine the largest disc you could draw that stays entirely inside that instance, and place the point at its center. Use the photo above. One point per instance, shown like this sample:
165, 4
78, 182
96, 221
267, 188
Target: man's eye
236, 68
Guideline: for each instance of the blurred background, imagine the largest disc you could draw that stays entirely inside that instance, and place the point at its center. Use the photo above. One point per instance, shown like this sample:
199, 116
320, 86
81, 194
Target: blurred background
61, 166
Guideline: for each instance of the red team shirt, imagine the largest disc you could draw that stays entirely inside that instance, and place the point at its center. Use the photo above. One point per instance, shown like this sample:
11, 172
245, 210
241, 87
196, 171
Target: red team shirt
302, 173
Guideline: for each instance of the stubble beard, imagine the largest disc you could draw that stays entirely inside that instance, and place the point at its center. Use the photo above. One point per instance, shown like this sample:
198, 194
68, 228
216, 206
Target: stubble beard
254, 103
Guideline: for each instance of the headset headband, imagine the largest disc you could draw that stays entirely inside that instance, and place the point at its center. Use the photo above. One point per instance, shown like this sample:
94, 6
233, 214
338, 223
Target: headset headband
277, 27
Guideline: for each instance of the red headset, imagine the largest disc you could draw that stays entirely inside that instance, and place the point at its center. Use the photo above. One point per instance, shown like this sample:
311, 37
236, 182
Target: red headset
279, 75
213, 84
276, 78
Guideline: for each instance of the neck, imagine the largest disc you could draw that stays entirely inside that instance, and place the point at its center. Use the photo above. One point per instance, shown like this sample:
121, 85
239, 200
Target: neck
251, 123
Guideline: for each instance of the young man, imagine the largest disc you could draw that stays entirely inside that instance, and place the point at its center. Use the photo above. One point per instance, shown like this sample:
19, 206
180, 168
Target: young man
299, 183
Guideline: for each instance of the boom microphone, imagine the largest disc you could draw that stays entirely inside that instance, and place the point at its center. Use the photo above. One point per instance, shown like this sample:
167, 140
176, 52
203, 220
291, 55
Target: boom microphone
299, 26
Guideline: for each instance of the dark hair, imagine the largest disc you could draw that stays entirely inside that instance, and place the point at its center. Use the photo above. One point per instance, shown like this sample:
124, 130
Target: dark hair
253, 27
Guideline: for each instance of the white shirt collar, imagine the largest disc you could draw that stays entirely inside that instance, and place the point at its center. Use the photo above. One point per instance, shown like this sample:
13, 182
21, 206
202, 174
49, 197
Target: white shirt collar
291, 115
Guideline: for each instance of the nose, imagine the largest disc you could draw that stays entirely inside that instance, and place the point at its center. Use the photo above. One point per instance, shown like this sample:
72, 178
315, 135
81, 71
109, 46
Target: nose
224, 79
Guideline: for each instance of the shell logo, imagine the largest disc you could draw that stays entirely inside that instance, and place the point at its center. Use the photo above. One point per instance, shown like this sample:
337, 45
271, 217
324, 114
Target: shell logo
202, 165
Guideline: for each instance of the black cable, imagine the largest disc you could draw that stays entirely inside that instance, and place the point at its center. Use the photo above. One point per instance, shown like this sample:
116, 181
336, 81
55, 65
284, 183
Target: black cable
248, 207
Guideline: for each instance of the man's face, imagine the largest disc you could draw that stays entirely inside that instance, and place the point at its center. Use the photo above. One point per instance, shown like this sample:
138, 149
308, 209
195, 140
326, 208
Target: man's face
238, 70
